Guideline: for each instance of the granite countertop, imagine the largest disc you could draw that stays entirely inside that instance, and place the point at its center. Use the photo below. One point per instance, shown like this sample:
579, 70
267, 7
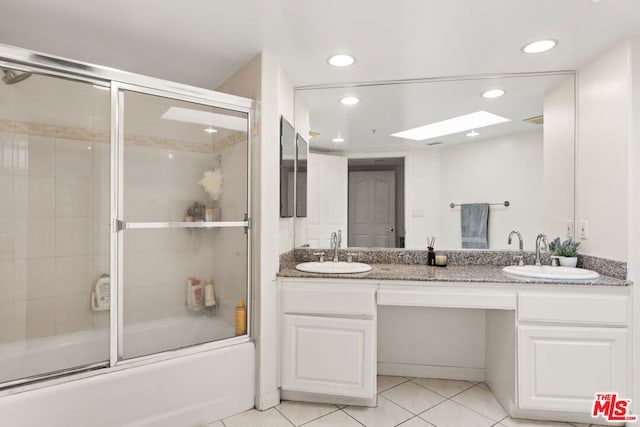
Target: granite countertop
451, 273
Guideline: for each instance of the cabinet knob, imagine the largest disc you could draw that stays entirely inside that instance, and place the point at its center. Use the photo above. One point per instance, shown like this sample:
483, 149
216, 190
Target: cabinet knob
390, 230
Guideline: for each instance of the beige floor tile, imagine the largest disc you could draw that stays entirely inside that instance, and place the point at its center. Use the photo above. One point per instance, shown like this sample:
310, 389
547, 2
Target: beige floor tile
386, 414
253, 418
519, 422
215, 424
385, 382
482, 401
413, 397
334, 419
300, 412
452, 414
415, 422
446, 388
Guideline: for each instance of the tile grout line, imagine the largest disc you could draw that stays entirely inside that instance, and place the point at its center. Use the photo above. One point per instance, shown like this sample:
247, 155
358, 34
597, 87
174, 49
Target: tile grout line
477, 412
349, 415
448, 397
284, 416
317, 418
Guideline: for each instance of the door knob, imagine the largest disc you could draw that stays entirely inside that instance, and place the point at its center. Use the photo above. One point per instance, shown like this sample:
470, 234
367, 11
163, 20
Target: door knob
390, 230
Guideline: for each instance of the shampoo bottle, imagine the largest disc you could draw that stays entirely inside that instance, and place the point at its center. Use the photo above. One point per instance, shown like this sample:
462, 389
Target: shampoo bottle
241, 318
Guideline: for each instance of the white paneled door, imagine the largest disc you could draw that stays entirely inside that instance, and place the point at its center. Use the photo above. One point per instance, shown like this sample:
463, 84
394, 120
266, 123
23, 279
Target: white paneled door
372, 218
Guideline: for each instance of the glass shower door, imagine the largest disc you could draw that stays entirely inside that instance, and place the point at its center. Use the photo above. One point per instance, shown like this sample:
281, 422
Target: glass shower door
54, 225
182, 209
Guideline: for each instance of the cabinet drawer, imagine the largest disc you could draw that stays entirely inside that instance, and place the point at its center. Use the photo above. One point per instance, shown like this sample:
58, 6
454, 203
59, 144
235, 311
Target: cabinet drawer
571, 308
303, 298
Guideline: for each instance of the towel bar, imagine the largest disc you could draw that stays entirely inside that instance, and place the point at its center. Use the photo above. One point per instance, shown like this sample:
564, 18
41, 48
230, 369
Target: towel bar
505, 203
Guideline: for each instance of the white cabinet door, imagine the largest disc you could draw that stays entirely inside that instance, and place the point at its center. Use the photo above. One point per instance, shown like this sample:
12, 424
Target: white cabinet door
329, 355
561, 367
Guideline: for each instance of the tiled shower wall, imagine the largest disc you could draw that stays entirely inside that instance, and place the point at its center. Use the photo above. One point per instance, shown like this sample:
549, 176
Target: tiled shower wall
53, 220
54, 233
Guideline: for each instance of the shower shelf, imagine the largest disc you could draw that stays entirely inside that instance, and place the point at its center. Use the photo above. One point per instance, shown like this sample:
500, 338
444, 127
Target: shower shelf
120, 225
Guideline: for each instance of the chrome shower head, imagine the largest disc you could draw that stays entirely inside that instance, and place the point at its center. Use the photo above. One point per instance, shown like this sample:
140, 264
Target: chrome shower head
12, 76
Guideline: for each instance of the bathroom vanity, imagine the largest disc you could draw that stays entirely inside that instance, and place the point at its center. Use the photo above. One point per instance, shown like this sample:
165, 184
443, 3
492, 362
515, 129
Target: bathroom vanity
549, 346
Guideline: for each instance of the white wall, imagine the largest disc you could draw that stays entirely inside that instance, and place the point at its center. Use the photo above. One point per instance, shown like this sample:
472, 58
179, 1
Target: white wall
449, 343
422, 196
559, 160
262, 79
327, 198
608, 168
285, 109
604, 102
633, 160
475, 172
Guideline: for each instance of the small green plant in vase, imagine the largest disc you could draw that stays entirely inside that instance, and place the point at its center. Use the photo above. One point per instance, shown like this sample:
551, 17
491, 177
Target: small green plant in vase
567, 251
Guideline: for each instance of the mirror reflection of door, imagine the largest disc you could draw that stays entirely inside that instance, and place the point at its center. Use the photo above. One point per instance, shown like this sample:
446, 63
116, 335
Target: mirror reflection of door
372, 221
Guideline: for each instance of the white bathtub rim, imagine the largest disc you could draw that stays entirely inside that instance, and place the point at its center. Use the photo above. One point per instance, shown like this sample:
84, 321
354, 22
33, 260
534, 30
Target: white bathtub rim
127, 364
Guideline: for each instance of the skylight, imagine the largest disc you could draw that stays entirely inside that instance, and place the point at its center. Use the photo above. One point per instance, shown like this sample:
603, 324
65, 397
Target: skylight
206, 118
459, 124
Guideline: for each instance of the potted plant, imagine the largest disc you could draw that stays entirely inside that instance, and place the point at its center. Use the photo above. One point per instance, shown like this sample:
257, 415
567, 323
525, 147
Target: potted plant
567, 251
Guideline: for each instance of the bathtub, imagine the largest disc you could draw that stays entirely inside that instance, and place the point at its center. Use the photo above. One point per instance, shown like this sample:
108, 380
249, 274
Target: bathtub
188, 387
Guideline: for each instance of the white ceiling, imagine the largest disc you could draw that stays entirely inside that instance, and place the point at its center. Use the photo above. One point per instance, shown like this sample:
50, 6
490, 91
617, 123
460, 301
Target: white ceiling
201, 42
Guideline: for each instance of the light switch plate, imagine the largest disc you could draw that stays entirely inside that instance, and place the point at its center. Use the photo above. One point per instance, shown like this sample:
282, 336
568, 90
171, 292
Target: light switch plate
569, 230
583, 229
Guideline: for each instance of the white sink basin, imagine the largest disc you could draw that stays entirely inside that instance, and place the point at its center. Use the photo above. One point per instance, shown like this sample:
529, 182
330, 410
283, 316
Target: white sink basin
331, 267
548, 272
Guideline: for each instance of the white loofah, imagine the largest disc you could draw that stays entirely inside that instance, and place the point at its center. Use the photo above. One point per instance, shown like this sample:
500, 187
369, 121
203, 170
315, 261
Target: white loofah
212, 183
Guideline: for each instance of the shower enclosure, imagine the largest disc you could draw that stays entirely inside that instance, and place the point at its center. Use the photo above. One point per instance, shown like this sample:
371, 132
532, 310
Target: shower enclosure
123, 198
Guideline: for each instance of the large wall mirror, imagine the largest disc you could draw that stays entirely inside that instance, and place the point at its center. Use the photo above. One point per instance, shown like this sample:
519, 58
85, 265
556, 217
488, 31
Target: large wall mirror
392, 166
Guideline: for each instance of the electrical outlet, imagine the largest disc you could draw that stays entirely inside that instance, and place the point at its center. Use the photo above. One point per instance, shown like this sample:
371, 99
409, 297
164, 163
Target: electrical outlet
583, 229
569, 230
417, 213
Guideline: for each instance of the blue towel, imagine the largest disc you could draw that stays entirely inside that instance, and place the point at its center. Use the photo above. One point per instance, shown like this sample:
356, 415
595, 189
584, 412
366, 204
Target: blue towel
475, 225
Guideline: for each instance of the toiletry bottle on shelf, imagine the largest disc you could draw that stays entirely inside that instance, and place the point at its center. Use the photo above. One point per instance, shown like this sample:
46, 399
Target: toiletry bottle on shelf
195, 300
209, 294
431, 256
241, 318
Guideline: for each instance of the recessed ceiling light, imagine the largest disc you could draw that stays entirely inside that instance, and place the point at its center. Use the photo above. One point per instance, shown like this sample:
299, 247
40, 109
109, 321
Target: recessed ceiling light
341, 60
493, 93
338, 139
349, 100
539, 46
211, 130
472, 134
476, 120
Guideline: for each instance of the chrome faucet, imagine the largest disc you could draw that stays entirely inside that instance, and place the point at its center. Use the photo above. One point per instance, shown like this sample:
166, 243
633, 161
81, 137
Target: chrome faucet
334, 246
541, 238
517, 233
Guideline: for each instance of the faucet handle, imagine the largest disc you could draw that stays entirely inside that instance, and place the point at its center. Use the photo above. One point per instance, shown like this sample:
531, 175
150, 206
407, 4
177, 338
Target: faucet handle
321, 254
519, 259
350, 256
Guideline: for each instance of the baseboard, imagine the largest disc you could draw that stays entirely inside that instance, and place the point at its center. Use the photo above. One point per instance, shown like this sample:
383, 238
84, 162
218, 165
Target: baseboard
301, 396
559, 416
267, 400
431, 371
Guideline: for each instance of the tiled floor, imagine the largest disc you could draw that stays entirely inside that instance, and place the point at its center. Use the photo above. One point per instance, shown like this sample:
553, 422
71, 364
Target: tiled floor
405, 402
